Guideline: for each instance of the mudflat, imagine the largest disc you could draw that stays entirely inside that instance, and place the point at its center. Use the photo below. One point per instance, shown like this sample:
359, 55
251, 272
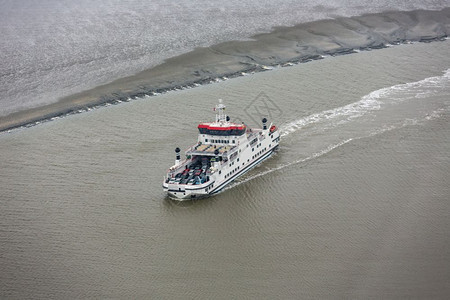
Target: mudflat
284, 45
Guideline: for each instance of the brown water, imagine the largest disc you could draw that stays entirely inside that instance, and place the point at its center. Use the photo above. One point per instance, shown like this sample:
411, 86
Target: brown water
354, 205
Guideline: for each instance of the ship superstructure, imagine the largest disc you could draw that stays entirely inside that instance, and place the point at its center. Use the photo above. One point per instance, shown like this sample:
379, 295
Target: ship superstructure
223, 152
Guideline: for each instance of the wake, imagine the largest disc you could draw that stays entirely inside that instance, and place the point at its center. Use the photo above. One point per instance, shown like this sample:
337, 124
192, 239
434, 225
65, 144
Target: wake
371, 102
379, 105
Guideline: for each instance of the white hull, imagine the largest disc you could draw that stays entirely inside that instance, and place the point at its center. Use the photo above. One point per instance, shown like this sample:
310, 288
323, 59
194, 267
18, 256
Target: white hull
224, 151
187, 192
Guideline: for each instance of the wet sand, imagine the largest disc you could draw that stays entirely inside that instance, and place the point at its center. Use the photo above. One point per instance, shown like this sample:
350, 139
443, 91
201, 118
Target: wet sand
284, 45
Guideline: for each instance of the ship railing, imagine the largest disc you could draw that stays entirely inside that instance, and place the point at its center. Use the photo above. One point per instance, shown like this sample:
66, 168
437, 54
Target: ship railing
193, 151
192, 148
175, 169
232, 150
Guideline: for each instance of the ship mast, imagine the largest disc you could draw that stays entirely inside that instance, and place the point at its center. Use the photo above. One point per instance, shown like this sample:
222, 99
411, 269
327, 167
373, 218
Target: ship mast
220, 115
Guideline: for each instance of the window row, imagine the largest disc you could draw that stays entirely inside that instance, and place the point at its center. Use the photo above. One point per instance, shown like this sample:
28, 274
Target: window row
259, 153
220, 141
232, 172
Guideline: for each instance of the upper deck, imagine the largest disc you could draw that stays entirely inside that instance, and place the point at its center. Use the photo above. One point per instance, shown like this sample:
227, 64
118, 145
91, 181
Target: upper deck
209, 149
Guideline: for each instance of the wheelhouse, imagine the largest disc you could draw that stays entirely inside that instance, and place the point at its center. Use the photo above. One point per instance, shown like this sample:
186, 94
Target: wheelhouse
235, 130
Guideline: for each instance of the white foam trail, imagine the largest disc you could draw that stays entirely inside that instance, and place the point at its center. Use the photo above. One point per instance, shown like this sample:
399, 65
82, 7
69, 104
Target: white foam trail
315, 155
371, 102
407, 122
436, 114
368, 103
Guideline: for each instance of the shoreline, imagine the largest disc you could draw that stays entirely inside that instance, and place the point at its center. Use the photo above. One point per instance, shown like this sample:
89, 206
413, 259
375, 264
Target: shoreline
283, 46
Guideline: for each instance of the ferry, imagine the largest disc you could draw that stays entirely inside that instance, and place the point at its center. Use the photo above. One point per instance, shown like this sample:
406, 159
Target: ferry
224, 151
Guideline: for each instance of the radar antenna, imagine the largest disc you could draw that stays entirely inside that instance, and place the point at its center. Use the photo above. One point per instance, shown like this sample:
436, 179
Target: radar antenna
220, 115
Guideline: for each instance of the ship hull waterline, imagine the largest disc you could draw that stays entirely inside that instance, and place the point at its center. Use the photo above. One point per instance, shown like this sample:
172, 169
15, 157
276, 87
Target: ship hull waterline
178, 195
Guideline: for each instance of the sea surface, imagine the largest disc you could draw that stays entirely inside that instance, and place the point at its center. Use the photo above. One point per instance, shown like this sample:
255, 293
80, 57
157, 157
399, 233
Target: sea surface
355, 203
50, 49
